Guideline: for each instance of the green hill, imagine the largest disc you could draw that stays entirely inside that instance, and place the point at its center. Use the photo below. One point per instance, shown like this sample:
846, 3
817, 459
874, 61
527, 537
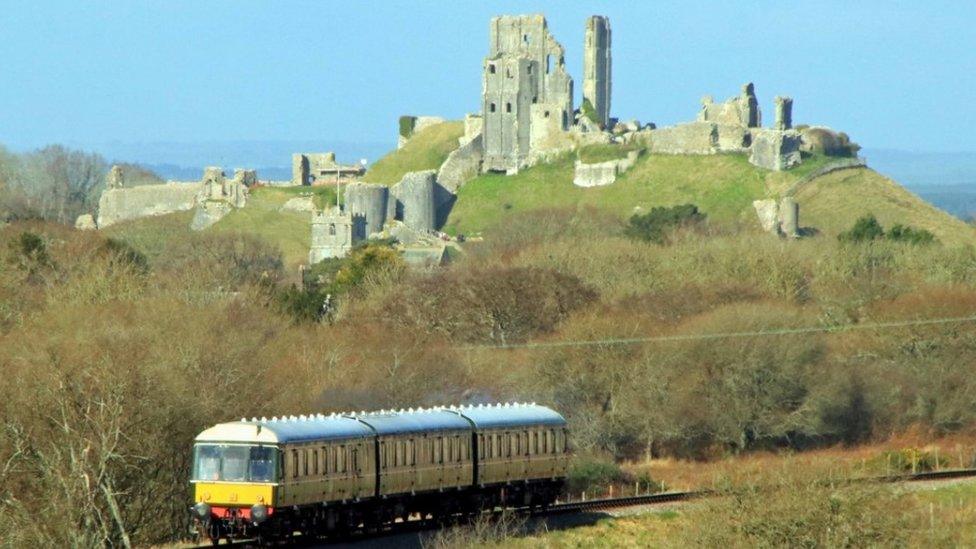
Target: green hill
426, 150
723, 186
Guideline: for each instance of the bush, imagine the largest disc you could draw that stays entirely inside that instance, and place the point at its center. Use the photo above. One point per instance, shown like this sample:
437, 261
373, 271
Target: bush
656, 225
589, 474
406, 125
902, 233
867, 229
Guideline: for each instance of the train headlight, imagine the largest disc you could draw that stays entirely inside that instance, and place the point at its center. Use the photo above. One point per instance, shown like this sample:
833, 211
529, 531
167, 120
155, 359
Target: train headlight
201, 511
259, 513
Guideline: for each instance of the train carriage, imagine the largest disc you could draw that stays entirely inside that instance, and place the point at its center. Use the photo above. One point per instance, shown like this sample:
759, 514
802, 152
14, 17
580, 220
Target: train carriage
318, 474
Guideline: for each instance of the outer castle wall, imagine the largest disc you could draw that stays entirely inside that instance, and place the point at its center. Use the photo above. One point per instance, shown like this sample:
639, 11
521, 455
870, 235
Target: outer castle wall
122, 204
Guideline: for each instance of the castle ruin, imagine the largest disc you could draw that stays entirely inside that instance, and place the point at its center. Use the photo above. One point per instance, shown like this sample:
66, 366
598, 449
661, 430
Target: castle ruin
526, 92
596, 68
322, 169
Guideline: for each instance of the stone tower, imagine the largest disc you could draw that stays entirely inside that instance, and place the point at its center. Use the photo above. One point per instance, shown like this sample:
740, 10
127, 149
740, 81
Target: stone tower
596, 67
334, 232
784, 113
751, 118
524, 84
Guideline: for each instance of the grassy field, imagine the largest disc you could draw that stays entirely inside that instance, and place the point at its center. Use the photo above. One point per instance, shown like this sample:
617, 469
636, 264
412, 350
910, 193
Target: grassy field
723, 186
426, 150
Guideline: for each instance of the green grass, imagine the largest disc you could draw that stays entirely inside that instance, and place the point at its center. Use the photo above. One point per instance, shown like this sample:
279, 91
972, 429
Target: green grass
722, 186
592, 154
426, 150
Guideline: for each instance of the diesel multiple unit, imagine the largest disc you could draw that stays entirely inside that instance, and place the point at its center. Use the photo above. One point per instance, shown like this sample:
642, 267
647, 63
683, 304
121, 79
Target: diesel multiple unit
319, 474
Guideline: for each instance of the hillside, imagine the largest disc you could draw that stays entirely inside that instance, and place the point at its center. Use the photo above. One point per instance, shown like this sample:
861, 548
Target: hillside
426, 150
723, 186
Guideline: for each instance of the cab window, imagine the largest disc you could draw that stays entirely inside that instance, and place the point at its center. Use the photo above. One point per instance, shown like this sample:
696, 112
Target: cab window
235, 463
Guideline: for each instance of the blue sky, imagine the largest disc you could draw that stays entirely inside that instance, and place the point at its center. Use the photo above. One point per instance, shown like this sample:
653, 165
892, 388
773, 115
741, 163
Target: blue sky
892, 74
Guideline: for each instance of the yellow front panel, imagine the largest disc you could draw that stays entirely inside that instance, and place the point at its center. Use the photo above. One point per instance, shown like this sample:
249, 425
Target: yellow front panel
234, 493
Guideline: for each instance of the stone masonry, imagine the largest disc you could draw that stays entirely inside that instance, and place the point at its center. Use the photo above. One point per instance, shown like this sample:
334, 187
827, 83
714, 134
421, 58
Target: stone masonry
737, 111
322, 168
524, 82
596, 67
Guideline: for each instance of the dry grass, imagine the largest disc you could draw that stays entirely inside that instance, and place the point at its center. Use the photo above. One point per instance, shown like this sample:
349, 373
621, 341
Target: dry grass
831, 204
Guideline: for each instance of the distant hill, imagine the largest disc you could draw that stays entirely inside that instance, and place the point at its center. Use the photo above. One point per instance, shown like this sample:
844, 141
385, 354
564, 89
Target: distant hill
946, 180
272, 159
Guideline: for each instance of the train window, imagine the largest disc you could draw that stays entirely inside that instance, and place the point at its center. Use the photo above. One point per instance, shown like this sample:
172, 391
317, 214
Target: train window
456, 449
566, 447
383, 454
411, 452
549, 442
305, 463
342, 458
294, 463
481, 446
315, 462
355, 460
560, 443
437, 451
464, 450
496, 446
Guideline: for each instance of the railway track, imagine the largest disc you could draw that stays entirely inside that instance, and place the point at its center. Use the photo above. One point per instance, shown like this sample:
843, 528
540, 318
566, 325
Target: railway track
615, 503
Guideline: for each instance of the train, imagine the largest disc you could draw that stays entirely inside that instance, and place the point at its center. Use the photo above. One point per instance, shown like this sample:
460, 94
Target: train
334, 474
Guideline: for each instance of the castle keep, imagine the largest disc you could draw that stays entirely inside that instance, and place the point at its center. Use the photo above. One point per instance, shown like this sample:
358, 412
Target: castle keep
526, 91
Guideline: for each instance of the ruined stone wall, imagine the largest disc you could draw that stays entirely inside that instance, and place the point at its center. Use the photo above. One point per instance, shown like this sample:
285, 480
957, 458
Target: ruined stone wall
693, 138
602, 173
473, 124
775, 150
736, 111
122, 204
596, 67
463, 164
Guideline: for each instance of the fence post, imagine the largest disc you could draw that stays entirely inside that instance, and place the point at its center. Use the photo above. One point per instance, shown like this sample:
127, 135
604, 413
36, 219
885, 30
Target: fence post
584, 496
611, 491
637, 488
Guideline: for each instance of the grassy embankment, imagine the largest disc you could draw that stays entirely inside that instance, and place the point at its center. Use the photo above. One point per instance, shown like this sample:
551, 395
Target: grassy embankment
723, 186
426, 150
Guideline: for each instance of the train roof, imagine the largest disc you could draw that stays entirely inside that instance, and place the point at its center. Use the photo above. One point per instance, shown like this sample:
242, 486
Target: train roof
394, 422
384, 422
500, 416
286, 429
